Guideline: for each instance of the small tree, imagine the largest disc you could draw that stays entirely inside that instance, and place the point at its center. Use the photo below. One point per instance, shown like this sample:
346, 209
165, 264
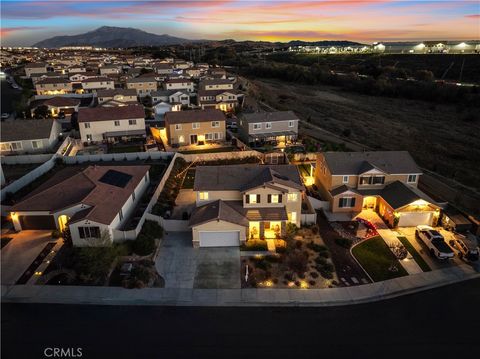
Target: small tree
41, 112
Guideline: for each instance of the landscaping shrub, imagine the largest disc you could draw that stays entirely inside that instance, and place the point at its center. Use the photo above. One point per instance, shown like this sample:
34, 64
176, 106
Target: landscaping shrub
314, 274
152, 229
324, 254
311, 282
343, 242
316, 247
254, 245
297, 283
92, 264
297, 261
321, 260
143, 245
298, 244
140, 273
261, 263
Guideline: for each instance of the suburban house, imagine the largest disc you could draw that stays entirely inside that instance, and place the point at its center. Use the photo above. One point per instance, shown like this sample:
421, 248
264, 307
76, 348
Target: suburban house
194, 127
143, 85
215, 84
123, 96
109, 70
76, 69
94, 84
111, 123
35, 68
216, 73
179, 84
47, 75
163, 69
92, 203
279, 126
385, 181
225, 100
30, 136
53, 86
81, 76
235, 203
66, 105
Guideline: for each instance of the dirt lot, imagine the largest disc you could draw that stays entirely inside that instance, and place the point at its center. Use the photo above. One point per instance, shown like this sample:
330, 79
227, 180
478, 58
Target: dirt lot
435, 135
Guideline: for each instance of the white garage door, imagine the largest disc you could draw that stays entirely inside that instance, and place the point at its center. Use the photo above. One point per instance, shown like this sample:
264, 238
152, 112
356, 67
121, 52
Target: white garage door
412, 219
220, 239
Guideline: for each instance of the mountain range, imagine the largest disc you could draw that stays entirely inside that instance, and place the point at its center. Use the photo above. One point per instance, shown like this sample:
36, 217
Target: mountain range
123, 37
109, 36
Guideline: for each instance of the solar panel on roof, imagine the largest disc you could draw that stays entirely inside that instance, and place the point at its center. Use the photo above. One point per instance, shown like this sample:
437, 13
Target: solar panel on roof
116, 178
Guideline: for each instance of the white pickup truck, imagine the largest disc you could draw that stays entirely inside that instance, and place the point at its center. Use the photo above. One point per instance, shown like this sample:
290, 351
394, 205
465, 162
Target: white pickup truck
435, 242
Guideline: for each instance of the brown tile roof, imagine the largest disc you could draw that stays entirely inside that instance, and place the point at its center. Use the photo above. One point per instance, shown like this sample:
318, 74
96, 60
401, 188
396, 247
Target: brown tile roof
110, 113
104, 201
270, 116
20, 130
111, 93
98, 79
217, 210
59, 101
193, 116
178, 81
53, 80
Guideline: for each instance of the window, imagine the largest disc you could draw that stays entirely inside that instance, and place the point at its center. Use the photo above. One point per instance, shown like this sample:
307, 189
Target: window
86, 124
133, 196
178, 126
217, 136
346, 202
257, 126
89, 137
15, 146
345, 179
365, 180
268, 125
293, 216
292, 197
117, 123
196, 125
290, 123
274, 198
203, 196
132, 122
209, 136
252, 198
120, 215
215, 123
89, 232
412, 179
37, 144
5, 147
379, 180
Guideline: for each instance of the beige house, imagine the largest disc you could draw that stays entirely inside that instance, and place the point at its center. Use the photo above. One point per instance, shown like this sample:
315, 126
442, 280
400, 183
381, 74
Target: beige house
53, 86
179, 84
95, 84
194, 127
28, 136
35, 68
384, 181
111, 123
124, 96
92, 203
143, 85
110, 70
241, 202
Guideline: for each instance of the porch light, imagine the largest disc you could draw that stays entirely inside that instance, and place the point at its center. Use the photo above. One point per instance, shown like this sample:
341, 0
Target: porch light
303, 284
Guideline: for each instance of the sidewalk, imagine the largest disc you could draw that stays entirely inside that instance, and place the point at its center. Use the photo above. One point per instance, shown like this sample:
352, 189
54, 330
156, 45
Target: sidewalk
239, 297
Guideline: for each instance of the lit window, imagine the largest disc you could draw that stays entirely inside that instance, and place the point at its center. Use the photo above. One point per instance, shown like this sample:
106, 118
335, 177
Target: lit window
292, 216
412, 179
253, 198
345, 179
203, 196
292, 197
274, 198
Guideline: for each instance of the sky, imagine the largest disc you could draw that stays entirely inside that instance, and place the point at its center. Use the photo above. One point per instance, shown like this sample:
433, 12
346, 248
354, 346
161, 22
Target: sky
25, 22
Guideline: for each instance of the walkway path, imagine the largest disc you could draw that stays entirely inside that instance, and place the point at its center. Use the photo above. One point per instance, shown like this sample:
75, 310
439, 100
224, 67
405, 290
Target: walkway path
238, 297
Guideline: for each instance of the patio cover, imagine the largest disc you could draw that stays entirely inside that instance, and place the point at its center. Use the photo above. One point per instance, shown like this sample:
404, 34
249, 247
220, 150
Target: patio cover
125, 133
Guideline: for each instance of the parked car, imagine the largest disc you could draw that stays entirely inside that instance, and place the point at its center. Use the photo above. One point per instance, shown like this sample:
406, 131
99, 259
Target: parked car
434, 241
5, 115
465, 247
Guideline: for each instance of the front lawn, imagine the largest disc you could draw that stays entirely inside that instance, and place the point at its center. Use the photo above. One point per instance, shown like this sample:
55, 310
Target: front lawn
254, 245
209, 150
418, 258
377, 259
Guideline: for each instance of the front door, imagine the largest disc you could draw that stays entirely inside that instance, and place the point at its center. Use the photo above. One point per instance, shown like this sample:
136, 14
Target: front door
193, 139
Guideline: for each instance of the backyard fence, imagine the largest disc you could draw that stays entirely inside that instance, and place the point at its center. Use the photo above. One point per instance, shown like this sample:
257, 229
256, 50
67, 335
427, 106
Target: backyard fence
26, 159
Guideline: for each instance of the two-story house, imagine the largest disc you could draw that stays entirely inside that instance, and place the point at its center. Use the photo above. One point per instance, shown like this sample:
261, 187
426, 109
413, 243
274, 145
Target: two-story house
194, 127
385, 181
179, 84
235, 203
35, 68
120, 96
53, 86
110, 70
94, 84
143, 85
260, 127
111, 123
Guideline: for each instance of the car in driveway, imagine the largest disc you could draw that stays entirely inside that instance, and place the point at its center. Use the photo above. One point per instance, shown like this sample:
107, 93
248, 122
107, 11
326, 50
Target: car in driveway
434, 241
465, 247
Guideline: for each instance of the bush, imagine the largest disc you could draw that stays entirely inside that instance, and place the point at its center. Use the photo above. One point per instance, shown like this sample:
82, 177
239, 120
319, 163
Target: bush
321, 261
343, 242
324, 254
152, 230
311, 282
92, 264
262, 263
297, 261
314, 274
316, 247
140, 273
144, 245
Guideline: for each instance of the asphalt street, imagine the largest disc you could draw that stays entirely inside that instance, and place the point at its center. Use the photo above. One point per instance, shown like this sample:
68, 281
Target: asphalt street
439, 323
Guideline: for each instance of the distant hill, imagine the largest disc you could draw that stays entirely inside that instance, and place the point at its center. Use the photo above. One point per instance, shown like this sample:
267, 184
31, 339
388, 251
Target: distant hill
108, 36
336, 43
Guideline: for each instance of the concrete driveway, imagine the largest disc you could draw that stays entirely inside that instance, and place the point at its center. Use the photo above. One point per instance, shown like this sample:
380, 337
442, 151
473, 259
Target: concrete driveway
183, 266
20, 252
